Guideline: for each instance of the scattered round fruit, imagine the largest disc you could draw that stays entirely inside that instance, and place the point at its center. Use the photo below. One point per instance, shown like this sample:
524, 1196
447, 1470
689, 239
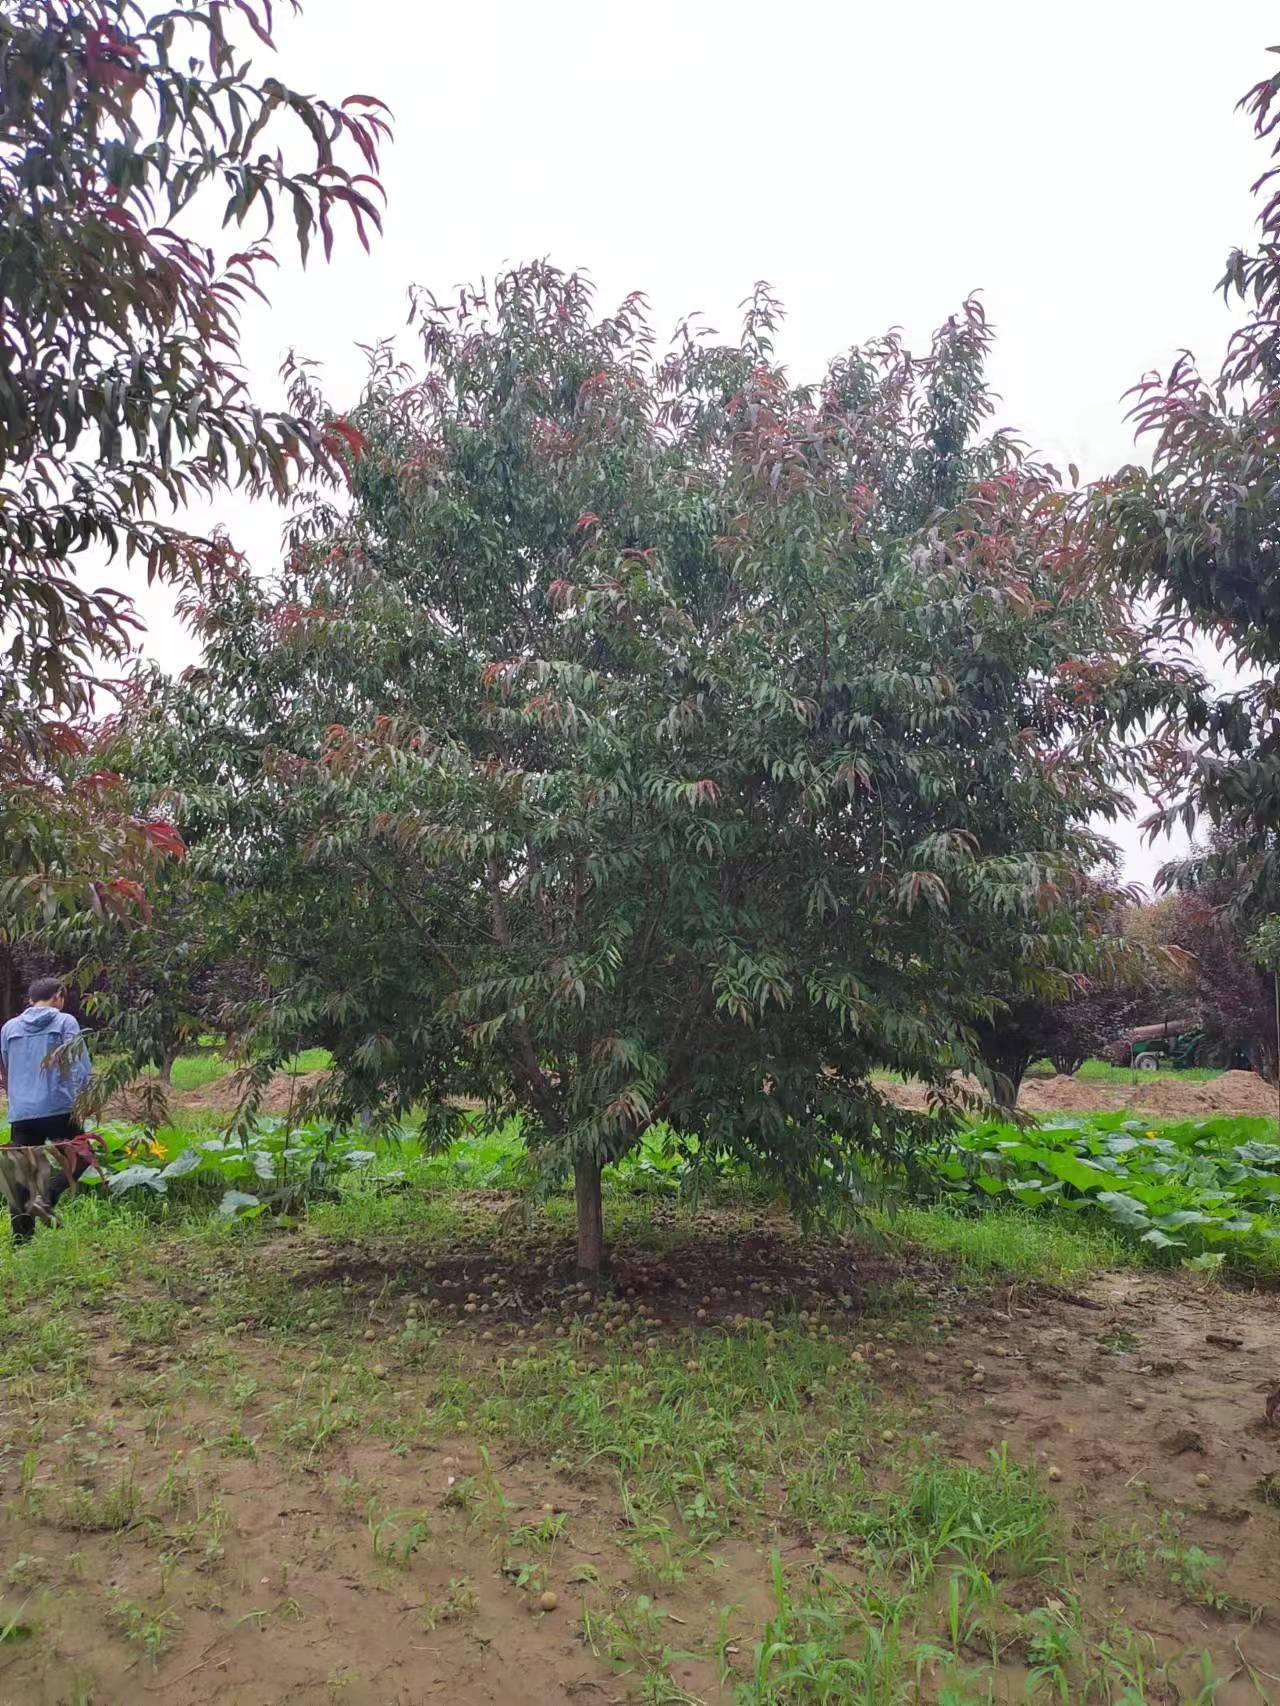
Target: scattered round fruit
1203, 1480
1055, 1474
548, 1601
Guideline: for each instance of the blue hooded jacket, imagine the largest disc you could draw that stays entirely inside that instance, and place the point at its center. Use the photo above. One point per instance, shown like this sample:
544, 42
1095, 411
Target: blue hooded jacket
37, 1086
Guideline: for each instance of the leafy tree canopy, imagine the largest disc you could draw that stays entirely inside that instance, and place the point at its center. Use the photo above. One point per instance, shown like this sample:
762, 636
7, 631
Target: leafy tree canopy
120, 395
656, 741
1199, 534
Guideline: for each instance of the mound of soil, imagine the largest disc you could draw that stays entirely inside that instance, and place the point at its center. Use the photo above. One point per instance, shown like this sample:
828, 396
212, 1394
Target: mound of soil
285, 1091
1233, 1093
1166, 1097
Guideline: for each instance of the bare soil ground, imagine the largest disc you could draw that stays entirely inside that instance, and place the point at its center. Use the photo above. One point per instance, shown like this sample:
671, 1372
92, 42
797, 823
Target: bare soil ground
1166, 1095
1163, 1096
287, 1470
287, 1090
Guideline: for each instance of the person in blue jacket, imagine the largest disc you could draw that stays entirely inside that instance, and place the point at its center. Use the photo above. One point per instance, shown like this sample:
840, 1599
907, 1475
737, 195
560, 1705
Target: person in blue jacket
44, 1066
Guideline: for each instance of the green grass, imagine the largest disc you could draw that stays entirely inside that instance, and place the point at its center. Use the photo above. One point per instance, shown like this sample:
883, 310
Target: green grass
720, 1460
1103, 1072
1008, 1240
194, 1071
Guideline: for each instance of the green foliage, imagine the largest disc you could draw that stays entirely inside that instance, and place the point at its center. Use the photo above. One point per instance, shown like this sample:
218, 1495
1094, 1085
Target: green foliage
121, 395
1264, 945
274, 1165
1201, 1188
657, 741
1197, 533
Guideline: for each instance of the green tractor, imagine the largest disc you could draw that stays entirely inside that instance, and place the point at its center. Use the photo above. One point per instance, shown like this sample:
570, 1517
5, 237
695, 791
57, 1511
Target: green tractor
1180, 1043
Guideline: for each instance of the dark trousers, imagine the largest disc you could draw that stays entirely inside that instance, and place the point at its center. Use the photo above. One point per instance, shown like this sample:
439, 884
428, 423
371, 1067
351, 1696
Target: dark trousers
52, 1128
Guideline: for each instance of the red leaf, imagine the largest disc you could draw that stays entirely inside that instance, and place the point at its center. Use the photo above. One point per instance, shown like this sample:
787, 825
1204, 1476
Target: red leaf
351, 436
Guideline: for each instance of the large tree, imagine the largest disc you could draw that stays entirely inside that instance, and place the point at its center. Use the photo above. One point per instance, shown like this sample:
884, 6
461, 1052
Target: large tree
1198, 534
659, 743
121, 399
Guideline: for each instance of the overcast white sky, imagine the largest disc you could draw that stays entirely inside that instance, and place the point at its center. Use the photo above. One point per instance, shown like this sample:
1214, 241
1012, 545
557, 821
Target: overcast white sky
1081, 164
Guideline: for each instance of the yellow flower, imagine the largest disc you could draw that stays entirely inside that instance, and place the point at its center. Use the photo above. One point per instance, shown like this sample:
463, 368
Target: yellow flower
156, 1149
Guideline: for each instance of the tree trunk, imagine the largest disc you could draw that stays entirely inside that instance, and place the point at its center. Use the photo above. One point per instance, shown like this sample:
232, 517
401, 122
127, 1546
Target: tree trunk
166, 1067
586, 1189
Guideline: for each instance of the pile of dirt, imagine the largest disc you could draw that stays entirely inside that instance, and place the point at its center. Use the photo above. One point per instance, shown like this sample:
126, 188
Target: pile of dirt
1167, 1097
286, 1091
1232, 1093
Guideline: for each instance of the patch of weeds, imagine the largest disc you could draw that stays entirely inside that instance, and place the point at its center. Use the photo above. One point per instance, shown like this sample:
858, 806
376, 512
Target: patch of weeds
234, 1443
543, 1534
27, 1569
150, 1630
16, 1627
831, 1648
152, 1321
90, 1252
1054, 1648
1006, 1240
178, 1493
106, 1510
456, 1603
1127, 1555
973, 1604
319, 1411
997, 1518
460, 1494
1119, 1340
529, 1575
349, 1494
51, 1346
657, 1561
397, 1535
200, 1538
628, 1635
1190, 1570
